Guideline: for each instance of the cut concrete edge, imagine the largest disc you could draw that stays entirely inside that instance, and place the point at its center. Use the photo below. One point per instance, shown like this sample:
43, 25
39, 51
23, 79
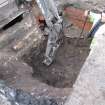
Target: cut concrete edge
89, 88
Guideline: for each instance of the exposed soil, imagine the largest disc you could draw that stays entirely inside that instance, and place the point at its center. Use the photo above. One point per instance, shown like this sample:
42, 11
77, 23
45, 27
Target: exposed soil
65, 69
54, 81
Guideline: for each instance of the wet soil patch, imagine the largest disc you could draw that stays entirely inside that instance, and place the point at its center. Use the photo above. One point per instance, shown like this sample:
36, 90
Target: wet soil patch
66, 67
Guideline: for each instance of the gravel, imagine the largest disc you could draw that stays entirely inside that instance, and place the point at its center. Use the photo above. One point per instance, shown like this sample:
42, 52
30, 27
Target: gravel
12, 96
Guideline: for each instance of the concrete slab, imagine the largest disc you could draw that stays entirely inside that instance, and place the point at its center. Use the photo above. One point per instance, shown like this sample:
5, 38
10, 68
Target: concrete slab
89, 88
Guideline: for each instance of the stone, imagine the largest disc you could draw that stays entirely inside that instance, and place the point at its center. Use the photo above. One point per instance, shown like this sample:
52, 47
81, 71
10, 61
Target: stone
12, 96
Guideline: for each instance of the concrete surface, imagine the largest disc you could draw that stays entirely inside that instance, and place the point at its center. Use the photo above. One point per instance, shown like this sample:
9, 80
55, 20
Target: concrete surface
88, 4
89, 88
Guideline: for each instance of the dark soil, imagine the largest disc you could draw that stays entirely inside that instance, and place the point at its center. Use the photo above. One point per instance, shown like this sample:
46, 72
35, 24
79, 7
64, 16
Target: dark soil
66, 67
19, 97
53, 81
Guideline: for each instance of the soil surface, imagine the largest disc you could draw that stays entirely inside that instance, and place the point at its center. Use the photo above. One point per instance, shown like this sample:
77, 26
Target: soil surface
66, 67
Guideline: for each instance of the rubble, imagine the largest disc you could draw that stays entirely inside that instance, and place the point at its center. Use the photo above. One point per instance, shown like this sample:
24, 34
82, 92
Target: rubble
12, 96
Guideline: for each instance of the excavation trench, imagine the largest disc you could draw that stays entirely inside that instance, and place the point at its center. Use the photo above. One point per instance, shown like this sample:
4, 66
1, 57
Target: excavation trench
54, 81
66, 67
